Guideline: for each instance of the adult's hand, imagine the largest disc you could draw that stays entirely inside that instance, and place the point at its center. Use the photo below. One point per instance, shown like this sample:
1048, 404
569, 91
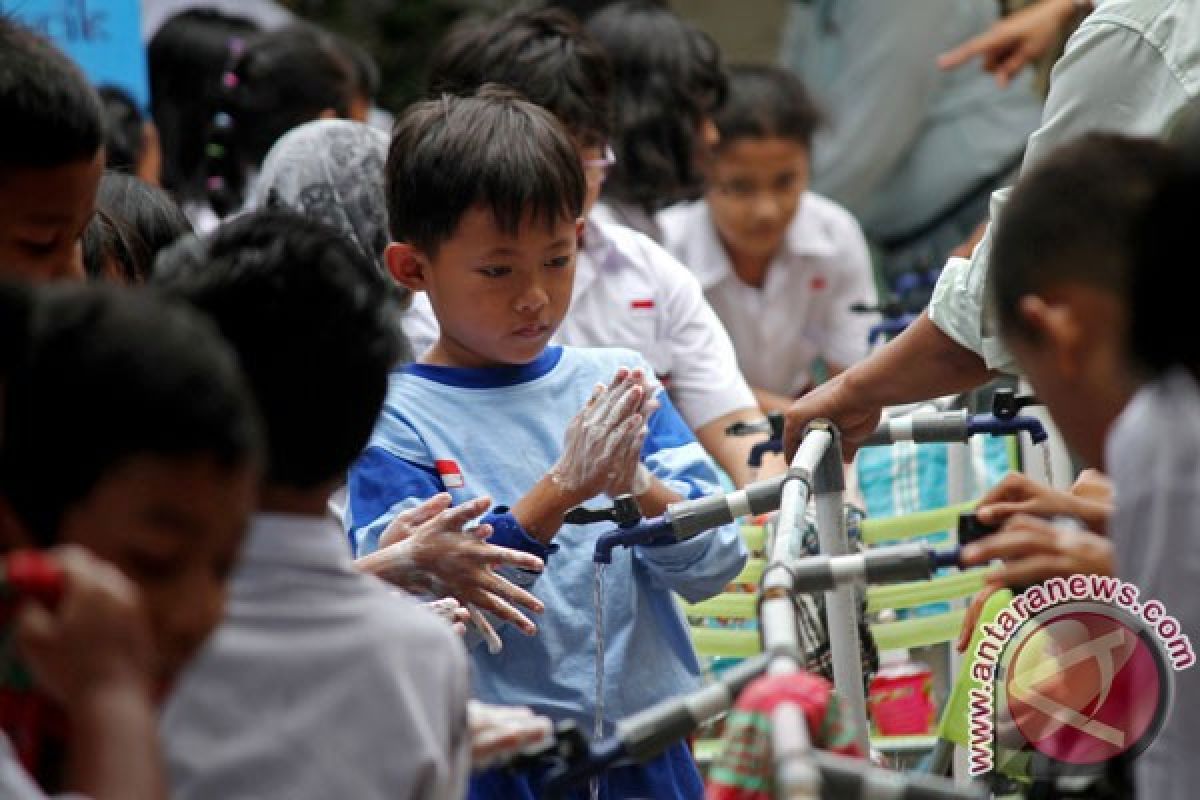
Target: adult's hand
428, 549
1014, 41
855, 416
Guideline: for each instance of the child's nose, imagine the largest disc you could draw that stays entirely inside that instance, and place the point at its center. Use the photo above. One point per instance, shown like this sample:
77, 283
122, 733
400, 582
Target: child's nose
533, 298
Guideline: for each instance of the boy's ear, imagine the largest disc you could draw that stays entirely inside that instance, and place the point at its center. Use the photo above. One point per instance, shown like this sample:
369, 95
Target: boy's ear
407, 265
580, 227
1056, 328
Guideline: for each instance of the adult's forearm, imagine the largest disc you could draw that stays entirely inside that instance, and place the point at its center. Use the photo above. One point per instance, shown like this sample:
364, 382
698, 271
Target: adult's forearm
919, 364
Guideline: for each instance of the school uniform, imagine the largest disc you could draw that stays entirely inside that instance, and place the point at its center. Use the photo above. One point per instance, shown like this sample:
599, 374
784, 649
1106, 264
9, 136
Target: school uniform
802, 311
319, 683
630, 292
496, 432
1153, 455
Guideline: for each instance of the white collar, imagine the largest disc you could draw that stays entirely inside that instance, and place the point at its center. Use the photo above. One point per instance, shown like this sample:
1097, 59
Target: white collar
296, 540
809, 236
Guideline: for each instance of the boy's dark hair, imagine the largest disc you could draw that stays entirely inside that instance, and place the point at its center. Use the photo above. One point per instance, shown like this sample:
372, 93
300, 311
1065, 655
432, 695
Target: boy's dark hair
1165, 283
125, 133
51, 114
492, 149
1075, 218
766, 102
186, 59
543, 54
133, 222
667, 80
283, 79
314, 324
108, 374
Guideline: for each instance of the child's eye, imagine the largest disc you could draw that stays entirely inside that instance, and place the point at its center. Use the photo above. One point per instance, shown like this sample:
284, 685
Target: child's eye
44, 248
560, 262
494, 272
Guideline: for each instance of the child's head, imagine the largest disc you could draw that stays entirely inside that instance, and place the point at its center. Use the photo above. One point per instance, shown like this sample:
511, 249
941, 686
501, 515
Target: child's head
313, 321
185, 60
51, 157
760, 169
283, 79
133, 222
127, 429
131, 142
484, 196
547, 57
667, 83
1061, 264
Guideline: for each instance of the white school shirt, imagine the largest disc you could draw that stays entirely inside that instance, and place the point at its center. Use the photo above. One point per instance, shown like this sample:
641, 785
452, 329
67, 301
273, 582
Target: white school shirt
630, 292
1129, 68
1153, 455
802, 312
320, 683
15, 783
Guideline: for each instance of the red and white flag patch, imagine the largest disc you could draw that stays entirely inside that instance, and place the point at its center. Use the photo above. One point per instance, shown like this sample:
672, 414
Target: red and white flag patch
645, 304
817, 283
450, 473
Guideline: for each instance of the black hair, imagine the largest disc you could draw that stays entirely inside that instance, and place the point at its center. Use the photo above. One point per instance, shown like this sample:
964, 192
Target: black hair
125, 139
766, 102
667, 81
186, 59
283, 79
108, 374
364, 67
1165, 283
314, 324
1075, 218
543, 54
51, 114
493, 149
133, 222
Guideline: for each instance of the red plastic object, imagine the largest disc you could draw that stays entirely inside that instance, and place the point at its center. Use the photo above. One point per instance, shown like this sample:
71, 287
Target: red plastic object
900, 700
33, 574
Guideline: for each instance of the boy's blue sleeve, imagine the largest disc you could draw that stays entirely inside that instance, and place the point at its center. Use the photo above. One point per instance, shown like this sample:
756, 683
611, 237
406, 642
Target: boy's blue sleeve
383, 485
700, 567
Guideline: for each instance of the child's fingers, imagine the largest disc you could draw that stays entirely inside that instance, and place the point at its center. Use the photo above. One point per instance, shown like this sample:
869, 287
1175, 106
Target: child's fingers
502, 609
497, 556
454, 519
410, 519
509, 591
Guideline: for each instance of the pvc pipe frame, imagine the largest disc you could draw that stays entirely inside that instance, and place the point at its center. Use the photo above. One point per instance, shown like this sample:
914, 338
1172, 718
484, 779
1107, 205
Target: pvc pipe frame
815, 473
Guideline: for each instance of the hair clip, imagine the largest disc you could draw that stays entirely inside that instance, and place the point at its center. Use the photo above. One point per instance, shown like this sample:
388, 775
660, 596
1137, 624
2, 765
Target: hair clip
215, 183
222, 120
229, 80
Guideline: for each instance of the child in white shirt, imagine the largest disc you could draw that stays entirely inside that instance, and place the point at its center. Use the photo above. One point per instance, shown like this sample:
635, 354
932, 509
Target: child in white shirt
780, 265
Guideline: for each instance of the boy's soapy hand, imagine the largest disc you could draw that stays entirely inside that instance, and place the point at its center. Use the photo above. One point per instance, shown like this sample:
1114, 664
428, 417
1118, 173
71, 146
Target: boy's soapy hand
499, 732
429, 548
604, 440
95, 641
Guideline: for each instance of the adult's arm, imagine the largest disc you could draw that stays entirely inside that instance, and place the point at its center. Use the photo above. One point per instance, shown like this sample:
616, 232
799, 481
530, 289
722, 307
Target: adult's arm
920, 363
1109, 79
